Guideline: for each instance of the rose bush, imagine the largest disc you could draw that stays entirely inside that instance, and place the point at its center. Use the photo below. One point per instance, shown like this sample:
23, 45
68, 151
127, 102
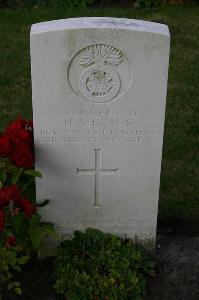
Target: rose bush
21, 229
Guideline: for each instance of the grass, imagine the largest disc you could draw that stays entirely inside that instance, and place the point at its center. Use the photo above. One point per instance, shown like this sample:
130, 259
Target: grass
179, 190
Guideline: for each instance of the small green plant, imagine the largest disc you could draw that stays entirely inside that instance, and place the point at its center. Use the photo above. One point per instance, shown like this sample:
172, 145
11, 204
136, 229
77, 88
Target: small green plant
98, 266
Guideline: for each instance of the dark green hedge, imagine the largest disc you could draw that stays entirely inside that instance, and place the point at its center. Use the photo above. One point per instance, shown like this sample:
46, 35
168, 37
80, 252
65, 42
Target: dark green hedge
87, 3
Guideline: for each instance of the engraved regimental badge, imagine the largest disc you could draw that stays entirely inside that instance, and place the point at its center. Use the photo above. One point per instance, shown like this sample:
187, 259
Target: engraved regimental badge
99, 82
96, 72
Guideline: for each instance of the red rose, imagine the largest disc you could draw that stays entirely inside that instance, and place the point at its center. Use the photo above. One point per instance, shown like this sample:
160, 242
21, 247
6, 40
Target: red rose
21, 136
1, 220
28, 208
11, 241
22, 156
25, 136
20, 131
5, 146
16, 125
10, 193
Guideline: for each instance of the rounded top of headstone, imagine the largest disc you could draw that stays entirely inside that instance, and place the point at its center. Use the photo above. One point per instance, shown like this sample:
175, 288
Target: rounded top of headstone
100, 22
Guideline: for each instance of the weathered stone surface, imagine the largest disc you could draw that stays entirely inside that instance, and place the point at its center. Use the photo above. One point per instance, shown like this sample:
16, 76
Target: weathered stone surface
99, 93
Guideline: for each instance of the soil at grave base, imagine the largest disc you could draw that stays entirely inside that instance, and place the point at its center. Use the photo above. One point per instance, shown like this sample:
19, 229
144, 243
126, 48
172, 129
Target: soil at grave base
177, 270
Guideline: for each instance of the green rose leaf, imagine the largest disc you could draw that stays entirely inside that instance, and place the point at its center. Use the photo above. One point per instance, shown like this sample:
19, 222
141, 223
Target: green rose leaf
18, 291
34, 173
23, 260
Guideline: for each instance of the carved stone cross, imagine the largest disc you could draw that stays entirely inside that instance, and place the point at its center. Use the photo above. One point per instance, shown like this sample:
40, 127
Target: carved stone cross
97, 172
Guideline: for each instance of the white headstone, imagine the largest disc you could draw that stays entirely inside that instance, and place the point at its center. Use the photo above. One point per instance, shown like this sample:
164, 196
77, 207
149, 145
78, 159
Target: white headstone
99, 94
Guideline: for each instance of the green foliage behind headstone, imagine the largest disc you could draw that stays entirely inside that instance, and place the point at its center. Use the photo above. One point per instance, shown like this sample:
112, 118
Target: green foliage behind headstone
51, 3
